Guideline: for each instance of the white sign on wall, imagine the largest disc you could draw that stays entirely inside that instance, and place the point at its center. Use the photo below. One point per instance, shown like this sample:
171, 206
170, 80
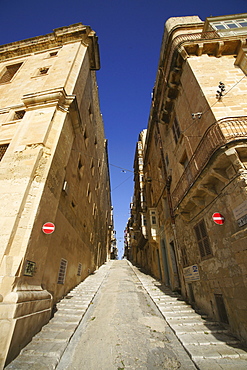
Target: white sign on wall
191, 273
240, 210
240, 214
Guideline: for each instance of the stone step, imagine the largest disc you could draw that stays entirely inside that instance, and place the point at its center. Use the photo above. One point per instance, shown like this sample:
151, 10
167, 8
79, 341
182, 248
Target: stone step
169, 310
59, 326
176, 304
54, 335
45, 348
207, 339
68, 315
72, 305
201, 329
215, 351
34, 363
209, 344
222, 363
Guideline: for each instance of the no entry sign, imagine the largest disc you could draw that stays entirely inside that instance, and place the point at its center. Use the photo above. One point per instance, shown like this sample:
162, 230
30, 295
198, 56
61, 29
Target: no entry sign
48, 228
218, 218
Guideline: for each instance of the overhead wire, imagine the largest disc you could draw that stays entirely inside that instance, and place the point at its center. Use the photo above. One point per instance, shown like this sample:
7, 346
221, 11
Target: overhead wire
123, 169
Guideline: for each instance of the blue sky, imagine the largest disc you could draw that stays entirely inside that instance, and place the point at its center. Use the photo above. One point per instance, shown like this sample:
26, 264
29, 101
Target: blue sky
130, 34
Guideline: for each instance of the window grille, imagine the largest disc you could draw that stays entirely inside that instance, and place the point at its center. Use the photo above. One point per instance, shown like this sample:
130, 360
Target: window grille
176, 130
79, 269
9, 73
202, 239
62, 271
3, 149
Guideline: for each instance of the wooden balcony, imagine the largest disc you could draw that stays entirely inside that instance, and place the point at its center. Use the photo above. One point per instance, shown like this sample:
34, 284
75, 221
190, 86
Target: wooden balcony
220, 133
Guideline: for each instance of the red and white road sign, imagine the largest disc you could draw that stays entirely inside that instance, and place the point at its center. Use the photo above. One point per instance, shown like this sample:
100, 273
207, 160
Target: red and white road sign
218, 218
48, 228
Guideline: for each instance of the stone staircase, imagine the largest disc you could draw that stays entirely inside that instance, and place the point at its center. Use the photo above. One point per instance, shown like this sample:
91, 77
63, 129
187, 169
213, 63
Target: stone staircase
208, 343
47, 347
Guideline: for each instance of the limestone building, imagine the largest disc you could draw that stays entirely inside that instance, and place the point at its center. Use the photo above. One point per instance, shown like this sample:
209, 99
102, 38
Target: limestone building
194, 167
54, 168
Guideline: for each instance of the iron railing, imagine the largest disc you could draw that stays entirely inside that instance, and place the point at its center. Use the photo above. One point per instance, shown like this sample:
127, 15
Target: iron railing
218, 134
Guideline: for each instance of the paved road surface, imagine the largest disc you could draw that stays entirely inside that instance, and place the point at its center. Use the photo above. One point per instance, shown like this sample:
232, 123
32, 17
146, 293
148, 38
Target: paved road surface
124, 330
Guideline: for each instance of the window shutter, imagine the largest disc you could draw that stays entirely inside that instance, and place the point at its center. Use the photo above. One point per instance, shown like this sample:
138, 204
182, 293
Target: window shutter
9, 72
202, 239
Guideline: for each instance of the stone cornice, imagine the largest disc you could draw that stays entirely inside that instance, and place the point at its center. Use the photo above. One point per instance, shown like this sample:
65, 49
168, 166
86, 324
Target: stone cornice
59, 37
51, 97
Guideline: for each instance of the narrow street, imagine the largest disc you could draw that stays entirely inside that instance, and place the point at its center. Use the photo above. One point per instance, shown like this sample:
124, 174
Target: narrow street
120, 318
124, 330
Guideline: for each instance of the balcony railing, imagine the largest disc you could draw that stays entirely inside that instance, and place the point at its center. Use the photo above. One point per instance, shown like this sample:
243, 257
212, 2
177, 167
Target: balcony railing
217, 135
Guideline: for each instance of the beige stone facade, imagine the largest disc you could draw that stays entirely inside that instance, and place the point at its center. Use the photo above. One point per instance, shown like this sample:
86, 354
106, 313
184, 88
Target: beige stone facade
54, 168
194, 165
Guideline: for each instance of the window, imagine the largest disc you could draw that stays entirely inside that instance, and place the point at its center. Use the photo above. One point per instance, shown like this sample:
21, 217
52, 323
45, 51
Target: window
43, 71
229, 24
184, 160
62, 271
79, 269
219, 26
9, 72
202, 239
53, 53
92, 168
156, 137
176, 130
167, 162
144, 220
243, 23
19, 114
80, 167
89, 194
79, 164
153, 217
221, 308
90, 112
94, 210
85, 135
184, 257
3, 149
